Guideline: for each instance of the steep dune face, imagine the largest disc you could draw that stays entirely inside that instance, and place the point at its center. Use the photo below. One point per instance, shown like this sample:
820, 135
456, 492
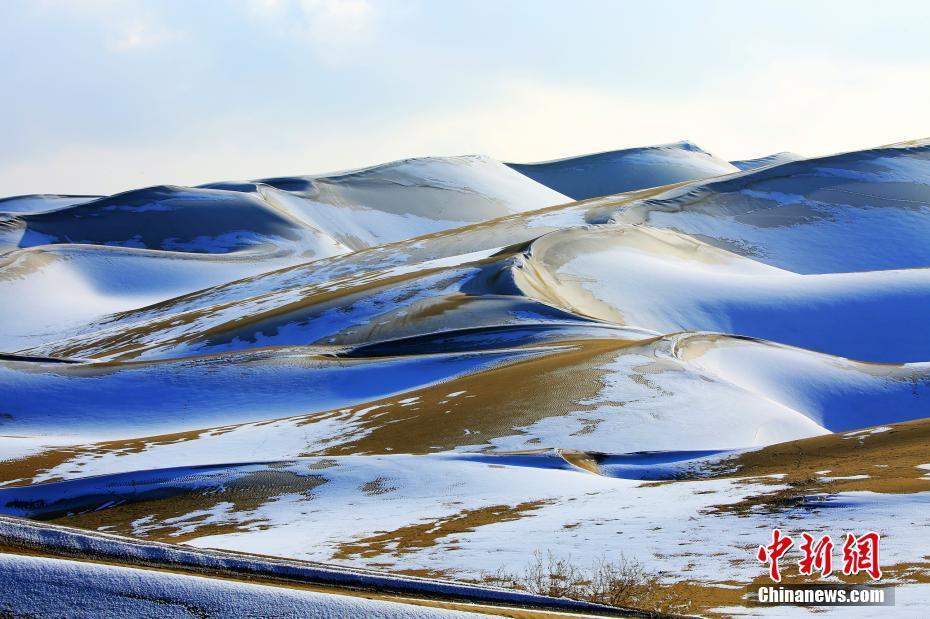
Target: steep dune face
602, 174
466, 360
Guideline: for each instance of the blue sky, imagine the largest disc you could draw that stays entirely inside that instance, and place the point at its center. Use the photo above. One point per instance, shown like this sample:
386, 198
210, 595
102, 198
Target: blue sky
101, 96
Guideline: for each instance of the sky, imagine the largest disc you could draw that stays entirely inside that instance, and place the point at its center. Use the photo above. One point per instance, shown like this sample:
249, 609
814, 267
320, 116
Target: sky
101, 96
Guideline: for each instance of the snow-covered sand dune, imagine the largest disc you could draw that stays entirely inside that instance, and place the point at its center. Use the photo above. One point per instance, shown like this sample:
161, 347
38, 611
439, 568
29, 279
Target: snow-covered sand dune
403, 199
773, 159
470, 362
860, 211
209, 583
178, 240
665, 282
602, 174
42, 203
44, 587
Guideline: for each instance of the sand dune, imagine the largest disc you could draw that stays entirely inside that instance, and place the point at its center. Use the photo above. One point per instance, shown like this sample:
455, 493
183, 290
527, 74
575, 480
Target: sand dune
602, 174
403, 199
838, 394
860, 211
44, 203
172, 219
608, 395
760, 162
94, 282
665, 282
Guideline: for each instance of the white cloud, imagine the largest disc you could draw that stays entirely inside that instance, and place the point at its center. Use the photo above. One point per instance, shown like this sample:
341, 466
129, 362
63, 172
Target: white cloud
125, 25
337, 18
332, 28
814, 109
135, 35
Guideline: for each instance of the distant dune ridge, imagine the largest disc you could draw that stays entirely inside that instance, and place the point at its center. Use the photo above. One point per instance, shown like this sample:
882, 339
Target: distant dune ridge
773, 159
601, 174
480, 359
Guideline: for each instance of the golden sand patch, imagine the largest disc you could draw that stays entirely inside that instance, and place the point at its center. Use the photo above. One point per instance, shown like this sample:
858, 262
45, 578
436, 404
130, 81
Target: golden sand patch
413, 537
468, 410
23, 471
889, 459
180, 514
487, 404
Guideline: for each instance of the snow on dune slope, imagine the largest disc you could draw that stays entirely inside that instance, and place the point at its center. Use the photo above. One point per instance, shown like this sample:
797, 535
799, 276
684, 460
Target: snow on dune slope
318, 215
193, 239
600, 395
450, 514
174, 219
110, 401
403, 199
68, 266
760, 162
602, 174
41, 203
469, 300
859, 211
836, 393
677, 393
664, 282
92, 282
43, 587
365, 307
